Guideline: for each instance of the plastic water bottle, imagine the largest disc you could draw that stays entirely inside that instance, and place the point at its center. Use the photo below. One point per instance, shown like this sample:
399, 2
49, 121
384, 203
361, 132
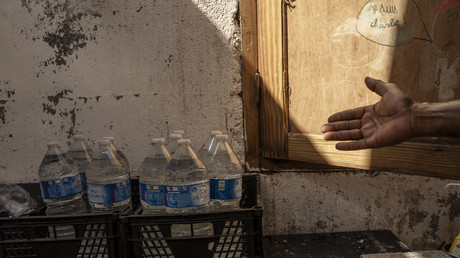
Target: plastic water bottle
172, 144
109, 184
206, 148
61, 188
80, 153
224, 171
152, 175
187, 189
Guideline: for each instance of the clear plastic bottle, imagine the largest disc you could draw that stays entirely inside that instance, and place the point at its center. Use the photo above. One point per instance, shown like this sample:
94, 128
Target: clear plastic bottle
187, 189
80, 153
151, 178
109, 184
206, 148
172, 144
61, 188
224, 171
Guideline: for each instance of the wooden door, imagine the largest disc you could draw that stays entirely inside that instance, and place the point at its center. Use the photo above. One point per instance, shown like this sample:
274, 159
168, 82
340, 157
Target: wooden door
313, 57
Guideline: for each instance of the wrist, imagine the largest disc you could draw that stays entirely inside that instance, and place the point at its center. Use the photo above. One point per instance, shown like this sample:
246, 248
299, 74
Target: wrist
424, 121
435, 119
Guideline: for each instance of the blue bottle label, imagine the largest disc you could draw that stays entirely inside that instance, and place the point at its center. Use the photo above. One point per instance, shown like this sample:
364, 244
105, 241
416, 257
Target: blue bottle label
109, 193
183, 196
84, 185
61, 187
226, 189
152, 194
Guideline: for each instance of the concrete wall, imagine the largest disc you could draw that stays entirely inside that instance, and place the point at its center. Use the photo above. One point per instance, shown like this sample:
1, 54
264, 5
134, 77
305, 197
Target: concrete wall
139, 69
129, 69
410, 206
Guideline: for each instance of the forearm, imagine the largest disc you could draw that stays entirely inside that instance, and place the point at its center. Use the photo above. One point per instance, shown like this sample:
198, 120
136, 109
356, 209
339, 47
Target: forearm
436, 119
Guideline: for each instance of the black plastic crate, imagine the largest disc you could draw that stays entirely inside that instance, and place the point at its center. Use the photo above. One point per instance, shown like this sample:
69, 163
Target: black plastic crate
95, 235
235, 233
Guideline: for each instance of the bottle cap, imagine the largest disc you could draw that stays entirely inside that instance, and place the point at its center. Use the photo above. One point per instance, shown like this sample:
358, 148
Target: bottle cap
103, 141
175, 136
78, 137
178, 131
52, 143
222, 136
183, 141
158, 140
216, 132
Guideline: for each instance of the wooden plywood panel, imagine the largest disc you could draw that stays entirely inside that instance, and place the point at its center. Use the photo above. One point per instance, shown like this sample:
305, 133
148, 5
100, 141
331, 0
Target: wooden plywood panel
333, 45
328, 60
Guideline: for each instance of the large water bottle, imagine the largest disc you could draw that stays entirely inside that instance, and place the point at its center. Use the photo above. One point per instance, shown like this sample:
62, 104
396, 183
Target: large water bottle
172, 144
61, 188
187, 184
109, 184
224, 171
206, 148
80, 153
187, 189
152, 175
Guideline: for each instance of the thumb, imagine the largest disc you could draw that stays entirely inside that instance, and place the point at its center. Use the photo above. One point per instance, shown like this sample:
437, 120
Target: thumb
376, 86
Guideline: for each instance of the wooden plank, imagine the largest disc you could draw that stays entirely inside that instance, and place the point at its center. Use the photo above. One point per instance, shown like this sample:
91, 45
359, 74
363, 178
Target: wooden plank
248, 10
408, 157
273, 109
328, 61
333, 45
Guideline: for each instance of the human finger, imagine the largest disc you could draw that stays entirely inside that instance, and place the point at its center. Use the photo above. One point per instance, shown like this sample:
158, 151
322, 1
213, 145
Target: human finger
376, 86
350, 114
344, 135
342, 125
353, 145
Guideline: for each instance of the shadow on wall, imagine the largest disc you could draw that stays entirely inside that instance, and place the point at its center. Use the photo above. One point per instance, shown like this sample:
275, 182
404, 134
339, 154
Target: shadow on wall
134, 70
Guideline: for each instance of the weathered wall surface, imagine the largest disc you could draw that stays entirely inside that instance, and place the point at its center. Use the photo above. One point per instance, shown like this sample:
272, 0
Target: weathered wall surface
409, 206
139, 69
129, 69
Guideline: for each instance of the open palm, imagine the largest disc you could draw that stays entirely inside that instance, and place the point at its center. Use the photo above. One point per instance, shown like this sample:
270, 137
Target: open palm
384, 123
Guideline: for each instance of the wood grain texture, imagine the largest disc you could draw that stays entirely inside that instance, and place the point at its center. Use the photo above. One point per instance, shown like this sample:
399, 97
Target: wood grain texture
408, 157
249, 68
273, 109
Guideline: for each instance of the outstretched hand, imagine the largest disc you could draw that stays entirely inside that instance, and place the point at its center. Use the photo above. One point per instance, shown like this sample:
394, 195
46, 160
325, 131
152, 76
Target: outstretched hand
384, 123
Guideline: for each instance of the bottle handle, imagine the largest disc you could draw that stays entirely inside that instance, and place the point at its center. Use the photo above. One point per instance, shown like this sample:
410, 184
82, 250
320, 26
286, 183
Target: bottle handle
452, 184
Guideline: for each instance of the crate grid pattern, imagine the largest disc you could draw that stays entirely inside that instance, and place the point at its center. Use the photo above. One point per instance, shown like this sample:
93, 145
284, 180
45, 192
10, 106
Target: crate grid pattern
153, 242
35, 236
232, 241
235, 234
17, 249
94, 243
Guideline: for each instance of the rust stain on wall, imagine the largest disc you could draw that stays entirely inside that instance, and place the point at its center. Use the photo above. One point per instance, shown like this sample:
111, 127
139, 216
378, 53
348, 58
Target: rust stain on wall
66, 26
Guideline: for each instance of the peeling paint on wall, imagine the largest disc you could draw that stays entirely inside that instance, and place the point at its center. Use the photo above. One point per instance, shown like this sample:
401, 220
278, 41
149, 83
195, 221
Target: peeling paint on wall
452, 201
59, 24
6, 95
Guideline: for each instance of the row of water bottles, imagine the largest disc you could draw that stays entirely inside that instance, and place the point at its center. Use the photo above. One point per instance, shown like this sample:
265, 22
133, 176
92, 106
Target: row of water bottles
172, 178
